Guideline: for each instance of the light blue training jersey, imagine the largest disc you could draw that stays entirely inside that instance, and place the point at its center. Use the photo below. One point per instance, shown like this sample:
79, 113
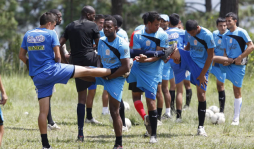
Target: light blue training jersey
39, 43
122, 33
218, 50
176, 35
198, 49
235, 42
108, 58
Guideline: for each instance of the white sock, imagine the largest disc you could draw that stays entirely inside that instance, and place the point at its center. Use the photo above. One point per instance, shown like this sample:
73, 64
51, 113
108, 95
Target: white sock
168, 110
237, 106
141, 97
105, 110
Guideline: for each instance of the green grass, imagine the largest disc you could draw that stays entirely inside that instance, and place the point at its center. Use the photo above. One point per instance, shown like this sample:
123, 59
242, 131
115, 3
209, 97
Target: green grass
21, 131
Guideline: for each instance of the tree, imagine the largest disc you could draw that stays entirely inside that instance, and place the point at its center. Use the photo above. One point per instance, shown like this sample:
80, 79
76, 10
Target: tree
208, 5
227, 6
117, 7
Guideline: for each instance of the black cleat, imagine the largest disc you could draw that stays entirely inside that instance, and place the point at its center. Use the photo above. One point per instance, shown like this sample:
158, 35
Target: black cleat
169, 51
80, 138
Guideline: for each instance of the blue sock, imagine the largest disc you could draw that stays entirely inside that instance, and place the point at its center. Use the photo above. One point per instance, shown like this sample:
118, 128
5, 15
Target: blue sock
81, 117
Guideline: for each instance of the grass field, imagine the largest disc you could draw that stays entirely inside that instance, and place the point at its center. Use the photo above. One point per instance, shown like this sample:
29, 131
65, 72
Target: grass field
21, 130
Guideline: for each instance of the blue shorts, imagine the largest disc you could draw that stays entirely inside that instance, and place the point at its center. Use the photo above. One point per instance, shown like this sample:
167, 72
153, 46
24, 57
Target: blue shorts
167, 73
57, 73
188, 64
235, 73
1, 118
92, 87
114, 86
216, 71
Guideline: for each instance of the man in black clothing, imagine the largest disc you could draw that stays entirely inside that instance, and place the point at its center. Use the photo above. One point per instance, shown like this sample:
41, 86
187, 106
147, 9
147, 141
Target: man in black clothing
81, 34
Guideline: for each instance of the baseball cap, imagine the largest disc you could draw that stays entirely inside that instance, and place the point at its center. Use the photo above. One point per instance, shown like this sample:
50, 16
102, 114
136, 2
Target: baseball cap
165, 17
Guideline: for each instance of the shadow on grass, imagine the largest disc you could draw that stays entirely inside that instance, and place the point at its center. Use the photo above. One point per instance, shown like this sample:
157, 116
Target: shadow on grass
17, 128
75, 123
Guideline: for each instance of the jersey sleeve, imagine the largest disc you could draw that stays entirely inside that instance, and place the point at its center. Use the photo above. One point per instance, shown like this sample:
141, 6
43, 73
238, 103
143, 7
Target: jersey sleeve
24, 43
210, 41
186, 37
246, 36
164, 40
65, 34
55, 41
124, 50
136, 44
131, 41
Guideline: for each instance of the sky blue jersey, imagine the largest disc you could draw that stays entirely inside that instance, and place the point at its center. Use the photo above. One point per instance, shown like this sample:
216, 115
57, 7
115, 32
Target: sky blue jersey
176, 35
39, 43
235, 42
218, 50
199, 45
108, 58
122, 33
102, 33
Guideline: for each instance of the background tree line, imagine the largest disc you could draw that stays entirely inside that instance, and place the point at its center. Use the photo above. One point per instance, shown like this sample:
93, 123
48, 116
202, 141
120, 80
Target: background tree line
18, 16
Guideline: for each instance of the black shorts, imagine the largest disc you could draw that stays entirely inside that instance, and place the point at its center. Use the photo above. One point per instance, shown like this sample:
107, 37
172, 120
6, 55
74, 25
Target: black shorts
90, 59
133, 87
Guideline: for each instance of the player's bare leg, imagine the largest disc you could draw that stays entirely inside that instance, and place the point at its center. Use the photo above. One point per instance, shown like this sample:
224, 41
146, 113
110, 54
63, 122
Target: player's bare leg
167, 99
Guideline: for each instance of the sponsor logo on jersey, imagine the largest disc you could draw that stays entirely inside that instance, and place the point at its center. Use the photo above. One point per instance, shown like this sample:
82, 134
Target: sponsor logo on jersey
173, 36
36, 39
36, 48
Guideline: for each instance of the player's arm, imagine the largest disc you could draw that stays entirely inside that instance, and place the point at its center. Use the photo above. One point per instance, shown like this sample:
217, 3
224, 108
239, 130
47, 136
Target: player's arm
249, 49
57, 54
125, 67
22, 56
143, 59
187, 47
96, 41
4, 95
62, 41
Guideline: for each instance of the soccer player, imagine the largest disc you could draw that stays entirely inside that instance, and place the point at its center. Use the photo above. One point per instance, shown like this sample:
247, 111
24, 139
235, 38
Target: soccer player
145, 74
216, 70
237, 46
42, 46
120, 32
4, 98
81, 34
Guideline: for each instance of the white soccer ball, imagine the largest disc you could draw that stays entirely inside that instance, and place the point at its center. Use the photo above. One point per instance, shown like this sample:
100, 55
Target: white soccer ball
26, 113
218, 118
215, 109
209, 113
214, 119
126, 105
128, 123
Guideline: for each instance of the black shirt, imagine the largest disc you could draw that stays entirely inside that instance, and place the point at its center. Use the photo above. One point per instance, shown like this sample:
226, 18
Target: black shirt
81, 34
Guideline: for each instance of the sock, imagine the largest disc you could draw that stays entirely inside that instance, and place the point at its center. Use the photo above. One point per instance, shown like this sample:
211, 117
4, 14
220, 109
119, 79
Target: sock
89, 113
140, 108
222, 100
44, 140
159, 110
118, 141
134, 53
104, 110
81, 116
188, 96
122, 112
172, 104
201, 112
237, 106
153, 121
178, 113
168, 110
49, 117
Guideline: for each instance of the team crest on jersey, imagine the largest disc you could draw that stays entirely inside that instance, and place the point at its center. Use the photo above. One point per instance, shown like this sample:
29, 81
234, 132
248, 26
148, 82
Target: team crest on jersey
230, 40
195, 42
148, 42
219, 41
107, 52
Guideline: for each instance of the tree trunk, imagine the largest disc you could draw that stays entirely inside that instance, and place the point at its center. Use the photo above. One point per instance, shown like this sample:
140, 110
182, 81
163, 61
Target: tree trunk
208, 5
227, 6
117, 7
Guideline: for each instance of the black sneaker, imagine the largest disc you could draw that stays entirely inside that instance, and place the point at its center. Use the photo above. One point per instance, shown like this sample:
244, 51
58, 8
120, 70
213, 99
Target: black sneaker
169, 51
80, 138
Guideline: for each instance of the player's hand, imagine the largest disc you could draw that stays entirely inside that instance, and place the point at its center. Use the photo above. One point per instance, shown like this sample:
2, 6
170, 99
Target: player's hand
177, 61
228, 62
4, 99
141, 58
238, 60
202, 81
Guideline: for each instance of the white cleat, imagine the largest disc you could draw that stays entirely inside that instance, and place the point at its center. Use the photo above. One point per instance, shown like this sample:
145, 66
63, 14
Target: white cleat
53, 127
166, 116
159, 123
125, 129
153, 139
46, 148
235, 122
93, 121
146, 134
201, 131
179, 120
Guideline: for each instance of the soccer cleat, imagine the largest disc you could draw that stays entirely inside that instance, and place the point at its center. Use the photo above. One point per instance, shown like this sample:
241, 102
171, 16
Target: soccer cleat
166, 116
185, 107
125, 129
179, 120
53, 127
80, 138
159, 123
146, 134
235, 123
93, 121
201, 131
169, 51
46, 148
147, 124
153, 139
118, 147
104, 113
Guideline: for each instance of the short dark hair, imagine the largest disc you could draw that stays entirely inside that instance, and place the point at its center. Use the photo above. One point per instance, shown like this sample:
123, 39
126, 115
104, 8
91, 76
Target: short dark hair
191, 25
231, 14
153, 15
144, 17
174, 19
111, 18
119, 20
99, 16
220, 20
55, 11
47, 17
87, 9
